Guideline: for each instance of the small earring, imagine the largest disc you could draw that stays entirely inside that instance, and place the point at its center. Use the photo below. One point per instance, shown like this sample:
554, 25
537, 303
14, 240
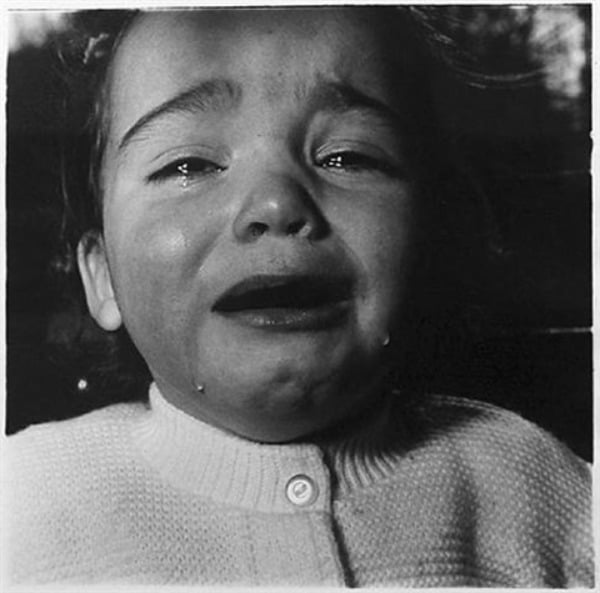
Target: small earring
386, 341
200, 388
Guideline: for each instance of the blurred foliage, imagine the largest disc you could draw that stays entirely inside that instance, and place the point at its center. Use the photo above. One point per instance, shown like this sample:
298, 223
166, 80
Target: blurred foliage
521, 45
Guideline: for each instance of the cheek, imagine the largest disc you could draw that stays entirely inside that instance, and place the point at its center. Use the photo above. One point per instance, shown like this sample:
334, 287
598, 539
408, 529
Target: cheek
154, 264
380, 232
146, 254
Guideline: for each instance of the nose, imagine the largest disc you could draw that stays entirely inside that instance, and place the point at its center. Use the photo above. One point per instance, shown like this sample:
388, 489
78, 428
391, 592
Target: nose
280, 206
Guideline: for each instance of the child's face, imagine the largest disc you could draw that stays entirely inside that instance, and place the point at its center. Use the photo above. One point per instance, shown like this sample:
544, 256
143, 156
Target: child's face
253, 156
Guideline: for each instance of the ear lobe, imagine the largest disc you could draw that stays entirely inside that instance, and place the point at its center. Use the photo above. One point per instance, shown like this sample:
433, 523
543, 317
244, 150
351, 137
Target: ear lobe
97, 284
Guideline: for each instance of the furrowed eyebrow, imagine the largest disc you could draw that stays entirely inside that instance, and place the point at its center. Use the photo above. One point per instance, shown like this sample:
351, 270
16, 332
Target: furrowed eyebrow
210, 95
343, 97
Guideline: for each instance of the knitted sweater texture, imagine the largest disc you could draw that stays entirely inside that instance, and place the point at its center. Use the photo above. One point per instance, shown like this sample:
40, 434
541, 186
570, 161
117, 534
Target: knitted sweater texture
145, 494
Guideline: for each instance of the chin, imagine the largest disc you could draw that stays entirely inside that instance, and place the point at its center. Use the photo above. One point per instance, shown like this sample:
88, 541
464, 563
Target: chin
284, 411
282, 427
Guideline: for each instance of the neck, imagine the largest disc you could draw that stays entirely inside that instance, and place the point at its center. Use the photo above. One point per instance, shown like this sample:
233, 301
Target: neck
292, 419
222, 466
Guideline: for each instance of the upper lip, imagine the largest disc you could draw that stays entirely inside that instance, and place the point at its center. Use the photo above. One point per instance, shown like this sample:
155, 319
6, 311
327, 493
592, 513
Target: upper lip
301, 291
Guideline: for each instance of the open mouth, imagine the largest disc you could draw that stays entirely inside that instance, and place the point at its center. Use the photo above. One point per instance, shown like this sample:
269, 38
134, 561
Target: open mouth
287, 302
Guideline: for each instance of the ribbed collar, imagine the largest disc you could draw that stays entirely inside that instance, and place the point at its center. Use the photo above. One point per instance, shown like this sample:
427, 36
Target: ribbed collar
230, 470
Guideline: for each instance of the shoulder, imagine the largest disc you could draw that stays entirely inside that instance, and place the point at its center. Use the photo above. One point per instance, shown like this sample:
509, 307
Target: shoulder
61, 456
485, 434
522, 484
64, 482
42, 442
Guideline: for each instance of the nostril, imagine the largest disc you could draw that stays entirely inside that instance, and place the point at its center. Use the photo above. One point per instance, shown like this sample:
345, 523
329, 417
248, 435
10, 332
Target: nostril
257, 229
295, 227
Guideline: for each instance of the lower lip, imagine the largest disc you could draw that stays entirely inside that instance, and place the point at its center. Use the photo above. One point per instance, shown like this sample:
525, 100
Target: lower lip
289, 319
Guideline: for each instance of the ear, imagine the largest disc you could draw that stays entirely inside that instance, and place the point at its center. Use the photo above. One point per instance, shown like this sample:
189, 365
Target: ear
97, 283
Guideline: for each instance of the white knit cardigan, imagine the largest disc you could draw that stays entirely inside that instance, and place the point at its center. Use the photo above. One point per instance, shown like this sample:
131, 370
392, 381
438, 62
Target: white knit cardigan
145, 494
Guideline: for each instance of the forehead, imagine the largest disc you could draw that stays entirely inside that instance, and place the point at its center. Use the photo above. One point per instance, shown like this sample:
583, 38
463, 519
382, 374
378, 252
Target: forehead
223, 35
167, 51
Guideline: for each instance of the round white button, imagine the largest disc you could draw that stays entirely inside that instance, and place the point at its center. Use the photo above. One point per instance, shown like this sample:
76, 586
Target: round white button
301, 491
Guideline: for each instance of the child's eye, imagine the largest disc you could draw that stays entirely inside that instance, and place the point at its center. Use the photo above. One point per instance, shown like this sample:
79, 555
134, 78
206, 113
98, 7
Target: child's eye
185, 170
354, 162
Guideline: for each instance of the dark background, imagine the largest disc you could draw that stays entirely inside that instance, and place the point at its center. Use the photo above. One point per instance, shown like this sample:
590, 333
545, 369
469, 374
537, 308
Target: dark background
529, 147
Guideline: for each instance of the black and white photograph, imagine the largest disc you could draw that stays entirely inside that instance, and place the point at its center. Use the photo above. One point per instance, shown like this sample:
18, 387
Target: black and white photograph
298, 296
